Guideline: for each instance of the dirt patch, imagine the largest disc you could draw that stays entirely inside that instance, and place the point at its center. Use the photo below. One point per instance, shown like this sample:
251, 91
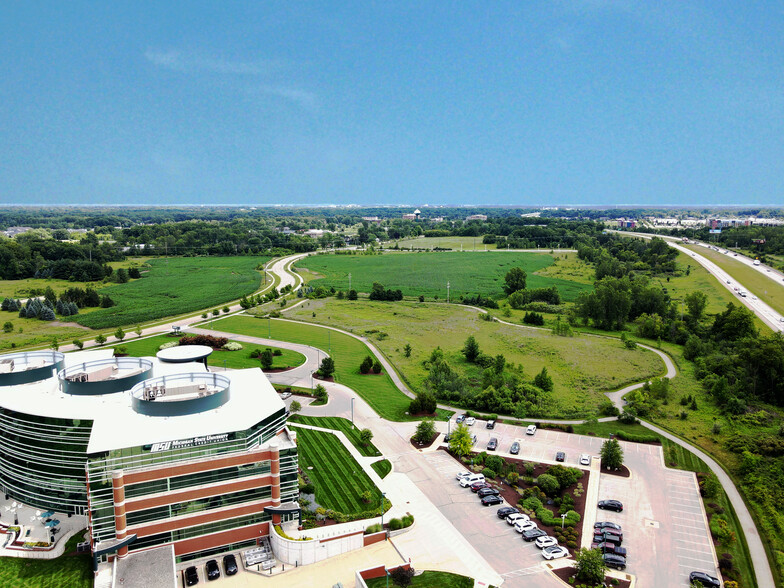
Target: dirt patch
71, 325
621, 473
419, 445
564, 574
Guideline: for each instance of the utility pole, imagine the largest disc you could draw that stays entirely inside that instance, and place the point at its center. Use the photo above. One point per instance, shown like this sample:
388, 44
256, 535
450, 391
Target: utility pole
447, 292
349, 282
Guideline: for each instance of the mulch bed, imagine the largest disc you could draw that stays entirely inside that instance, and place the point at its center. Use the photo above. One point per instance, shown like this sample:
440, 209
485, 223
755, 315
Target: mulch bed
565, 573
622, 473
317, 377
424, 445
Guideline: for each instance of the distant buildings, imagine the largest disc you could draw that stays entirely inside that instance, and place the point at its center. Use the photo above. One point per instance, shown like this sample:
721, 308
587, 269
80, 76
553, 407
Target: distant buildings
476, 217
14, 231
412, 216
624, 223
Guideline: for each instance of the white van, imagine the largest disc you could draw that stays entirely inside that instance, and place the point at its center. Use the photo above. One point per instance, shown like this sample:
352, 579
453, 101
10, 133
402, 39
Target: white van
466, 481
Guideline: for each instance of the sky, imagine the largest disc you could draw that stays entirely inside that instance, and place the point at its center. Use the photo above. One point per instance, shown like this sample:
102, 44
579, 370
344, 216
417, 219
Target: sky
533, 103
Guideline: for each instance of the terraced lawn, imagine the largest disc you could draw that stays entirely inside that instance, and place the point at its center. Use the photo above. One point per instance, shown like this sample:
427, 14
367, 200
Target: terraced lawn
70, 569
429, 580
382, 467
339, 424
338, 478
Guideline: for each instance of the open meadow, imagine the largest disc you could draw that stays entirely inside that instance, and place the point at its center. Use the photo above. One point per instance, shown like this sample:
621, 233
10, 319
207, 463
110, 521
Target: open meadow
582, 367
427, 274
456, 243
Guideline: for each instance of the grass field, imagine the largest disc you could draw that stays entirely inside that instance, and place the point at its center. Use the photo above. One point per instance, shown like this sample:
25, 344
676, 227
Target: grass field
339, 479
581, 367
767, 290
378, 391
339, 424
428, 580
175, 286
71, 570
220, 357
427, 274
382, 467
35, 332
456, 243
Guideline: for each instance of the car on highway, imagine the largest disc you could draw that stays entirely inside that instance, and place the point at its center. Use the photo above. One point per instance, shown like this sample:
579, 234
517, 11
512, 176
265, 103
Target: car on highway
515, 448
492, 445
230, 564
546, 541
491, 499
505, 511
560, 456
585, 459
191, 576
532, 534
614, 561
514, 517
469, 421
482, 492
490, 424
522, 525
213, 570
615, 505
704, 579
607, 547
531, 430
607, 525
554, 552
728, 281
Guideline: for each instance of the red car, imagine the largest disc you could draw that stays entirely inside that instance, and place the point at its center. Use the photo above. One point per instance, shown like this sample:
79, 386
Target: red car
476, 486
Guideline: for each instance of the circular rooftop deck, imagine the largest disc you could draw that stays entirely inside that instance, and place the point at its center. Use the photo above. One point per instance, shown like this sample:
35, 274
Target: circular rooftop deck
184, 354
180, 394
29, 366
104, 376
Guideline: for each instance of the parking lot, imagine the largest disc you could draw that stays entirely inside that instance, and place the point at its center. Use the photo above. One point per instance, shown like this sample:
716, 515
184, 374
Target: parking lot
665, 530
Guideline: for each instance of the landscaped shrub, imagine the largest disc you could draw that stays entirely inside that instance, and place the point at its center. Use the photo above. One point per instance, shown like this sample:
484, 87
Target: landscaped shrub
232, 346
168, 345
208, 340
395, 524
377, 528
489, 473
631, 437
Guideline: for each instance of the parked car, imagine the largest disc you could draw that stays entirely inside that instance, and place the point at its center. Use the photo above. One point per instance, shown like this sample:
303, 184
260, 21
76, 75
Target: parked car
607, 525
487, 492
478, 485
463, 474
491, 499
466, 481
532, 534
585, 459
505, 511
473, 439
191, 576
560, 456
614, 561
515, 448
615, 505
607, 538
514, 517
284, 395
554, 552
606, 547
460, 418
546, 541
530, 430
704, 579
521, 526
213, 570
469, 421
490, 424
609, 531
230, 564
492, 445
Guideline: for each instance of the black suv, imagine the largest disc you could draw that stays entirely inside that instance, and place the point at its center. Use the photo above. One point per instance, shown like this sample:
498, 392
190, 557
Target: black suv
607, 538
491, 499
213, 571
191, 576
493, 444
505, 511
487, 492
614, 561
606, 525
704, 579
532, 534
560, 456
230, 564
615, 505
610, 548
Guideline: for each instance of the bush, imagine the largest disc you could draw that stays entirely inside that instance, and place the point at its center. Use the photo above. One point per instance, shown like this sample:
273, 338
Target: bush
632, 438
377, 367
395, 524
308, 488
366, 365
78, 343
489, 473
232, 346
165, 345
377, 528
208, 340
402, 576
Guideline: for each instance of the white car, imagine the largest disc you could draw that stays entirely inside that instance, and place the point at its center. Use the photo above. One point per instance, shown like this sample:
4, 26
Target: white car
542, 542
462, 474
585, 459
554, 552
516, 516
521, 526
469, 421
530, 430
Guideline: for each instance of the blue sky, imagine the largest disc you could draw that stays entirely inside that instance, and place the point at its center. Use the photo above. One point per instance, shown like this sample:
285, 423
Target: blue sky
593, 102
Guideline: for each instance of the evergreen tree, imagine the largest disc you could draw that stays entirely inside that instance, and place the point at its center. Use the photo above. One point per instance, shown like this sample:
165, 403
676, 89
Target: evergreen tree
611, 454
471, 349
72, 309
47, 314
60, 308
543, 381
366, 365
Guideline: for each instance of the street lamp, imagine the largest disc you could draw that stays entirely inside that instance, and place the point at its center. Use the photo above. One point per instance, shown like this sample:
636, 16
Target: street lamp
383, 497
563, 518
352, 410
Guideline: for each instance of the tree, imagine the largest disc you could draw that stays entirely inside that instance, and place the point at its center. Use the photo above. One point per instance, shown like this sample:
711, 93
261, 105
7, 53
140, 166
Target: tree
611, 454
471, 349
78, 343
119, 334
266, 358
295, 407
424, 402
548, 484
460, 443
352, 294
695, 305
515, 280
55, 344
543, 381
122, 275
590, 565
366, 436
8, 326
215, 312
407, 350
320, 392
377, 367
425, 431
366, 365
134, 273
100, 339
402, 576
327, 367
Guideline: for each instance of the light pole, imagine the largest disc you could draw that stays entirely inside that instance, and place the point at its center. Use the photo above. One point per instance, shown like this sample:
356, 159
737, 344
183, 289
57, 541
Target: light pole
383, 497
352, 410
447, 292
563, 518
269, 328
349, 282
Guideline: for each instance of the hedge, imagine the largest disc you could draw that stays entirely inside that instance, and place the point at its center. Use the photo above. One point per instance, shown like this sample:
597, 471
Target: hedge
632, 438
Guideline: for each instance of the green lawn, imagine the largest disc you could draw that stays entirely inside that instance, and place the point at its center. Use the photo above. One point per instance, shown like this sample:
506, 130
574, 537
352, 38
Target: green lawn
175, 286
456, 243
71, 570
582, 367
28, 332
427, 274
382, 467
378, 391
428, 580
236, 360
338, 478
339, 424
